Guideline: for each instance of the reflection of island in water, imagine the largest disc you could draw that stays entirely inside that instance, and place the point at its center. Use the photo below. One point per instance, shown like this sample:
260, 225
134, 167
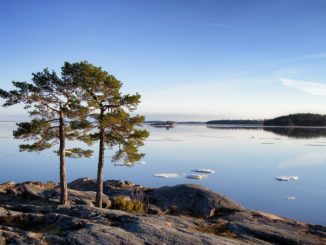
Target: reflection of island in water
291, 132
298, 132
165, 124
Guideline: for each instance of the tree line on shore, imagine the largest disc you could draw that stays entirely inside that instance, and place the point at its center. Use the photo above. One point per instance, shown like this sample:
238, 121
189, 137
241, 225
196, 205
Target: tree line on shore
83, 104
299, 119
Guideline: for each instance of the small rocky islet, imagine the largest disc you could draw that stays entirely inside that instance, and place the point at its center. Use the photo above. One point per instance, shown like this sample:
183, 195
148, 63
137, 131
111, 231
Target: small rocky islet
181, 214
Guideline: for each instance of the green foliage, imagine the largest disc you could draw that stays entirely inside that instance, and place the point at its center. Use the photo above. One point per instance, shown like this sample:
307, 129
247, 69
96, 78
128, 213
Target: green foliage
84, 104
109, 110
300, 119
128, 205
76, 153
47, 98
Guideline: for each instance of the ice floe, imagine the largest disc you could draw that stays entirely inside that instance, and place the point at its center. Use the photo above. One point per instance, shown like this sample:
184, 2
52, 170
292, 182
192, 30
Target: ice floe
287, 178
167, 175
196, 176
141, 162
290, 198
128, 164
204, 170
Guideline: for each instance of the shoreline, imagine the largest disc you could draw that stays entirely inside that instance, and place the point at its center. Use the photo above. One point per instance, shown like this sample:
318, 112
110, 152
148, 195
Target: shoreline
182, 214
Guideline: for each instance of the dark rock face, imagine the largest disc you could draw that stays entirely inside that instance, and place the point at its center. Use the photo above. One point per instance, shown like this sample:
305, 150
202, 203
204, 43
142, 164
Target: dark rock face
30, 214
193, 200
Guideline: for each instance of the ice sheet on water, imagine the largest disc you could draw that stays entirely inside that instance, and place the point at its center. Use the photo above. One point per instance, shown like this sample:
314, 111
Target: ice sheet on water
129, 164
204, 170
290, 198
167, 175
287, 178
196, 176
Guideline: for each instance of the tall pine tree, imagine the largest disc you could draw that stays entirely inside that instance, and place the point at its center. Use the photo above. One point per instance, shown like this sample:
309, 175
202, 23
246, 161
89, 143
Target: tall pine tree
110, 110
56, 114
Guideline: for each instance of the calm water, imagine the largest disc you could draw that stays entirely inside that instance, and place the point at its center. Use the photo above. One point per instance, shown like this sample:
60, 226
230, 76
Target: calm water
246, 162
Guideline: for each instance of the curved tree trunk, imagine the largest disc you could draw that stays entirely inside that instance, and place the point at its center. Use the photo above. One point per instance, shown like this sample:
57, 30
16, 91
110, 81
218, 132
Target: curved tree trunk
63, 174
99, 192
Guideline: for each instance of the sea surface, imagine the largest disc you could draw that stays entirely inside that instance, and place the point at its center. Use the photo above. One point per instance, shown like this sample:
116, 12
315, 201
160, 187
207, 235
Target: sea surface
246, 163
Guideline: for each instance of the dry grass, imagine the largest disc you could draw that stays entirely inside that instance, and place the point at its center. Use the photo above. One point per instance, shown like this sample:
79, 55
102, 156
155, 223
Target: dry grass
128, 205
220, 228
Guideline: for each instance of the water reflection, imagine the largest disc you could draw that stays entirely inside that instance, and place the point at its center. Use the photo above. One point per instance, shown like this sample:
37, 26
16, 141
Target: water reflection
291, 132
304, 160
245, 161
298, 133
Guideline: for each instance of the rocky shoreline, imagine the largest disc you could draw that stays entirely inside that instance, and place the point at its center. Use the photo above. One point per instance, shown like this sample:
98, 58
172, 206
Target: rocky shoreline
182, 214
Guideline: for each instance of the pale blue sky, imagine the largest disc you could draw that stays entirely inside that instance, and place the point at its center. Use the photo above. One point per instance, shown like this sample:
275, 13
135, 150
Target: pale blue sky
189, 59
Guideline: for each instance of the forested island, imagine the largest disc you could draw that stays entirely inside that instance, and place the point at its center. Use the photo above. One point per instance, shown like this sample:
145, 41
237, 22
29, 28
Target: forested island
292, 120
299, 119
236, 122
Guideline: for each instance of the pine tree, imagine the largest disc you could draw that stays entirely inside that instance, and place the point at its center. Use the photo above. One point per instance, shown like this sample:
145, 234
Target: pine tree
110, 110
56, 116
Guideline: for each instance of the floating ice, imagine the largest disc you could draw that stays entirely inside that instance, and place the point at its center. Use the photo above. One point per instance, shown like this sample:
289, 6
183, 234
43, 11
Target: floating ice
196, 176
129, 164
287, 178
290, 198
167, 175
204, 170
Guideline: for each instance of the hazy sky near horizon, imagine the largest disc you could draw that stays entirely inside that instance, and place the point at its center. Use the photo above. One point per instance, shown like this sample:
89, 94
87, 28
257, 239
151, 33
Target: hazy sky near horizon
189, 59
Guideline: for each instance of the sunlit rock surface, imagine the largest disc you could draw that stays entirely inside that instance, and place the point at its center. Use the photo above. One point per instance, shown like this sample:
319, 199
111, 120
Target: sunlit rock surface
182, 214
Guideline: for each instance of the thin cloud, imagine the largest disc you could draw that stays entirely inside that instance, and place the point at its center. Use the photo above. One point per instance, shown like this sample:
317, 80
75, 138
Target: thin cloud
304, 86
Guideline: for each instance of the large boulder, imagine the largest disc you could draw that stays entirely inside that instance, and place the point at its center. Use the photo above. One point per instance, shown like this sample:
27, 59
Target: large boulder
45, 193
111, 188
83, 184
194, 200
78, 197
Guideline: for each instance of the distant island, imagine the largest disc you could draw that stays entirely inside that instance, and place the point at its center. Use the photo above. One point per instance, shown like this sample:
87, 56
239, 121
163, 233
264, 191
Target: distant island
299, 119
236, 122
162, 124
291, 120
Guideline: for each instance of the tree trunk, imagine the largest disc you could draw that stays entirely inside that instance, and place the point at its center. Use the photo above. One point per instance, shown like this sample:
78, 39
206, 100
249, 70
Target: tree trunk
63, 174
99, 192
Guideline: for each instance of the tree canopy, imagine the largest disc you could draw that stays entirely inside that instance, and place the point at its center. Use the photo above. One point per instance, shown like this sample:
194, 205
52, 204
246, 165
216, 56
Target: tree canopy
110, 114
299, 119
56, 114
85, 104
